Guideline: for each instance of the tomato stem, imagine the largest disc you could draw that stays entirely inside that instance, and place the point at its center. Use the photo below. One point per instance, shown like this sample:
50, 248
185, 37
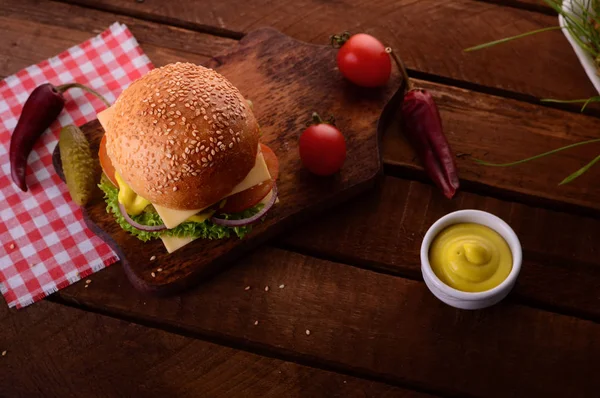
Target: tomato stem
401, 66
339, 40
316, 119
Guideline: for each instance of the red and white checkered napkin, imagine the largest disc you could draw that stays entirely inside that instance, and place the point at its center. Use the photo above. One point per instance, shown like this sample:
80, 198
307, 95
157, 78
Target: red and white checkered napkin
44, 243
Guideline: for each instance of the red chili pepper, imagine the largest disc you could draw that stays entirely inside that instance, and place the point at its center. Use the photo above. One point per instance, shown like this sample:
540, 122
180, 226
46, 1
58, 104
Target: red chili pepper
421, 122
422, 125
41, 109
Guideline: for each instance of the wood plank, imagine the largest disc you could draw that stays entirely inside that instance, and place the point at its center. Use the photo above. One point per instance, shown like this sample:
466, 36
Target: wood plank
59, 351
486, 126
32, 33
532, 5
371, 324
384, 230
429, 34
503, 130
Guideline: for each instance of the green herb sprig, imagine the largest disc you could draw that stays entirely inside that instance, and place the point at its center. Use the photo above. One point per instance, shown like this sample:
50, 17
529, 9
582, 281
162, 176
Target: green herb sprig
584, 26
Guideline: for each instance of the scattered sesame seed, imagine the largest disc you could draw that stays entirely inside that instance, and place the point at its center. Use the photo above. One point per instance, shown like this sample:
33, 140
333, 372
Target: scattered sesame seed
159, 270
247, 288
88, 281
12, 246
266, 288
174, 189
281, 286
86, 286
255, 323
307, 332
4, 353
153, 274
152, 258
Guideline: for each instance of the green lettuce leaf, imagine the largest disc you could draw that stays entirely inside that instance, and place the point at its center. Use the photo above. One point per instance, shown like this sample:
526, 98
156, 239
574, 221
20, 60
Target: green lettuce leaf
205, 230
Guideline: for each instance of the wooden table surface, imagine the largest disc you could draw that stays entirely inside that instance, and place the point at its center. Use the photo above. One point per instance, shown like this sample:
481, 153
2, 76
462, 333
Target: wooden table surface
351, 277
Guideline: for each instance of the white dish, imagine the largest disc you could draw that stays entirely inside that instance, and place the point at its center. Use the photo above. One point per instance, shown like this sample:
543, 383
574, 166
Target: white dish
467, 300
575, 6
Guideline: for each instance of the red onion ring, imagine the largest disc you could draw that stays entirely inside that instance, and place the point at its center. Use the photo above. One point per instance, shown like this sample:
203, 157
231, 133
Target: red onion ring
249, 220
142, 227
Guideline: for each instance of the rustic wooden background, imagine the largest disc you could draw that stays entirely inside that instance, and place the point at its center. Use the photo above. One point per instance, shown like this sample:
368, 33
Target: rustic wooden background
351, 277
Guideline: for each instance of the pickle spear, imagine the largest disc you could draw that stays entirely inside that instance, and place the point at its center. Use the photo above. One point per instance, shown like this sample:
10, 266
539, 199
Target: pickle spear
77, 164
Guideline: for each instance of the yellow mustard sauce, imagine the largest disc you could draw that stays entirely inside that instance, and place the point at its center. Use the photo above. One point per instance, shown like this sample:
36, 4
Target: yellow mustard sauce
133, 203
470, 257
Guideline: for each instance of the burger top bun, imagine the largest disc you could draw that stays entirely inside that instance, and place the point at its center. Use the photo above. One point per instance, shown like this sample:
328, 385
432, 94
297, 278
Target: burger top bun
182, 136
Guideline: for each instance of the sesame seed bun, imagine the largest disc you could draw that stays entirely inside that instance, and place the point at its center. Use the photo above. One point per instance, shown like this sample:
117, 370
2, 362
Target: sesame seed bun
182, 136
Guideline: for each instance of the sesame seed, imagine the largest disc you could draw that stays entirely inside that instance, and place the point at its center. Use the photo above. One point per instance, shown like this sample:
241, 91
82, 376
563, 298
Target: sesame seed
4, 352
174, 189
159, 270
88, 281
255, 324
153, 274
247, 288
281, 286
210, 156
12, 245
152, 258
266, 288
307, 332
231, 145
212, 152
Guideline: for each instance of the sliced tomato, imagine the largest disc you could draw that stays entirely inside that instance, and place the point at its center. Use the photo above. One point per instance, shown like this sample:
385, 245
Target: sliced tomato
250, 197
105, 163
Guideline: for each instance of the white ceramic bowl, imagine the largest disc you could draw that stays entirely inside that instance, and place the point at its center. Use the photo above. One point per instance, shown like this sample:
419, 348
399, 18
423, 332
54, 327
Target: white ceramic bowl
468, 300
574, 7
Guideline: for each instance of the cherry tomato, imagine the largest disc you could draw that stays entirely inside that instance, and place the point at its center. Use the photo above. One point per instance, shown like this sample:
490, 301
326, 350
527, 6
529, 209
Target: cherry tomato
250, 197
362, 60
322, 149
105, 163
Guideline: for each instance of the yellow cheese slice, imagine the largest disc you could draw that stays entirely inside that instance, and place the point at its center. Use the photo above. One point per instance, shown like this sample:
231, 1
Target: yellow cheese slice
105, 116
173, 243
258, 174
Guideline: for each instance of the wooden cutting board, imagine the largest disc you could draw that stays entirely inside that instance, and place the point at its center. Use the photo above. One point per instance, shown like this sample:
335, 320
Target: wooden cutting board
286, 80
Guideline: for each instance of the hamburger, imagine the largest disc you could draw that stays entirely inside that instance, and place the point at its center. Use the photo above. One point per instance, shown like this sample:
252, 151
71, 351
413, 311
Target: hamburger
181, 158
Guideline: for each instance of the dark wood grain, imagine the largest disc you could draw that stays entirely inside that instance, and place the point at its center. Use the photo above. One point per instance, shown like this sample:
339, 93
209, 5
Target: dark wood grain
57, 351
384, 229
429, 34
35, 30
503, 130
490, 127
287, 80
375, 325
